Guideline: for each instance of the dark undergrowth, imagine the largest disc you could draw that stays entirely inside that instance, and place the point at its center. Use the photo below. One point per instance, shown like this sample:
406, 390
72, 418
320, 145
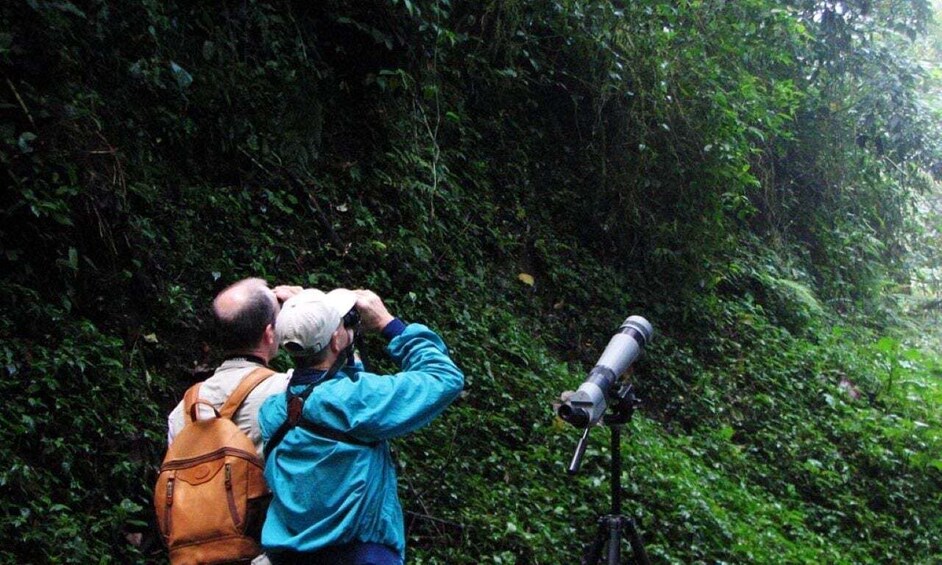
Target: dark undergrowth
520, 176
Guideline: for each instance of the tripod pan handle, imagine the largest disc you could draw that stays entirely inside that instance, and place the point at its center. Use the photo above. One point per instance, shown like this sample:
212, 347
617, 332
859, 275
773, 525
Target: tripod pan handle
580, 451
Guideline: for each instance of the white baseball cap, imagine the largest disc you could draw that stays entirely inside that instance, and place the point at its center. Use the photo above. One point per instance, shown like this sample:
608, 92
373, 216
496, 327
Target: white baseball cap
309, 318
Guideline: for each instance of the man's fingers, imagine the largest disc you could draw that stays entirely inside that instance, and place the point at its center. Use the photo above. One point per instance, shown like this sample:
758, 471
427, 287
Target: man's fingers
284, 292
371, 307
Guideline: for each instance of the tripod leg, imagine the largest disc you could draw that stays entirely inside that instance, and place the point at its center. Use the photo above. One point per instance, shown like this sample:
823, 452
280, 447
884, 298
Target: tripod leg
637, 548
614, 540
594, 551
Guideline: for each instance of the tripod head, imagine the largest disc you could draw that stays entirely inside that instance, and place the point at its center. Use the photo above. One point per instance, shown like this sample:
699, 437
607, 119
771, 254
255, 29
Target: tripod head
621, 407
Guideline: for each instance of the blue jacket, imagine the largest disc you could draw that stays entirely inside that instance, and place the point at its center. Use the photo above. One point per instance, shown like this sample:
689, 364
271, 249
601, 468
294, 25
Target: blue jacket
330, 493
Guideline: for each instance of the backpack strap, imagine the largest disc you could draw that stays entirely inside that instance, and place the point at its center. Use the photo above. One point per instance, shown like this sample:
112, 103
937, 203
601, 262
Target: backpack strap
296, 418
192, 414
333, 434
189, 400
246, 386
313, 427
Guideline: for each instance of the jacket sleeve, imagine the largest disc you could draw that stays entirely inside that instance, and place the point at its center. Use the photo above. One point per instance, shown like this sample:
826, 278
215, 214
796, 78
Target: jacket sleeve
379, 407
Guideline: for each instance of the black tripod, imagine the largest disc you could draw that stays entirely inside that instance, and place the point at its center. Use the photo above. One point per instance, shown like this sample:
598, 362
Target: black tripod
613, 526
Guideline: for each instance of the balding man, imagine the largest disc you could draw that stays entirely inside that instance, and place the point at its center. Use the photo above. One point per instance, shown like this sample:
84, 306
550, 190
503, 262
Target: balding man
244, 314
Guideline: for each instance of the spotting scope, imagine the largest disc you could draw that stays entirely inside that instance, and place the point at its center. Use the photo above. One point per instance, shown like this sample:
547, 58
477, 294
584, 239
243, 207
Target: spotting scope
586, 406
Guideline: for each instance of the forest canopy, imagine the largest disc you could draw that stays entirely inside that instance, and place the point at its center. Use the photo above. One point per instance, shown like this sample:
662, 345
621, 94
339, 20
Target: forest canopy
757, 178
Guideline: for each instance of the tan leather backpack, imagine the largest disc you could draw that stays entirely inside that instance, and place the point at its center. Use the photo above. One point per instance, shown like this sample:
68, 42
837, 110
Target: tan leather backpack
211, 495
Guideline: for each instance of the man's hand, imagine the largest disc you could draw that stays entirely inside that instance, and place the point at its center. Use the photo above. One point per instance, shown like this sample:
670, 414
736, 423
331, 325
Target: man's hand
284, 292
373, 313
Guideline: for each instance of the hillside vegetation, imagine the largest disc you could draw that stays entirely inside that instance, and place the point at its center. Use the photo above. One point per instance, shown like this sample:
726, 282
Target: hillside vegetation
756, 178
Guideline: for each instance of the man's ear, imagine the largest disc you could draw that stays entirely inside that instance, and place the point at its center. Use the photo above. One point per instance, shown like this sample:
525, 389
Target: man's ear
269, 334
336, 340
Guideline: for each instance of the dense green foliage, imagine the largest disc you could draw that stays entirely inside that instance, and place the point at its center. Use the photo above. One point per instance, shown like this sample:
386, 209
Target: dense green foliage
744, 174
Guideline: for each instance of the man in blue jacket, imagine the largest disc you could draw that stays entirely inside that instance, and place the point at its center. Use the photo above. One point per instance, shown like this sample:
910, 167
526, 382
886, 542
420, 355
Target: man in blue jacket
331, 474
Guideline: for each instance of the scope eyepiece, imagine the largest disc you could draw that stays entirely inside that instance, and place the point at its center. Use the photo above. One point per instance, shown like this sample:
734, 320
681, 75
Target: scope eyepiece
574, 415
